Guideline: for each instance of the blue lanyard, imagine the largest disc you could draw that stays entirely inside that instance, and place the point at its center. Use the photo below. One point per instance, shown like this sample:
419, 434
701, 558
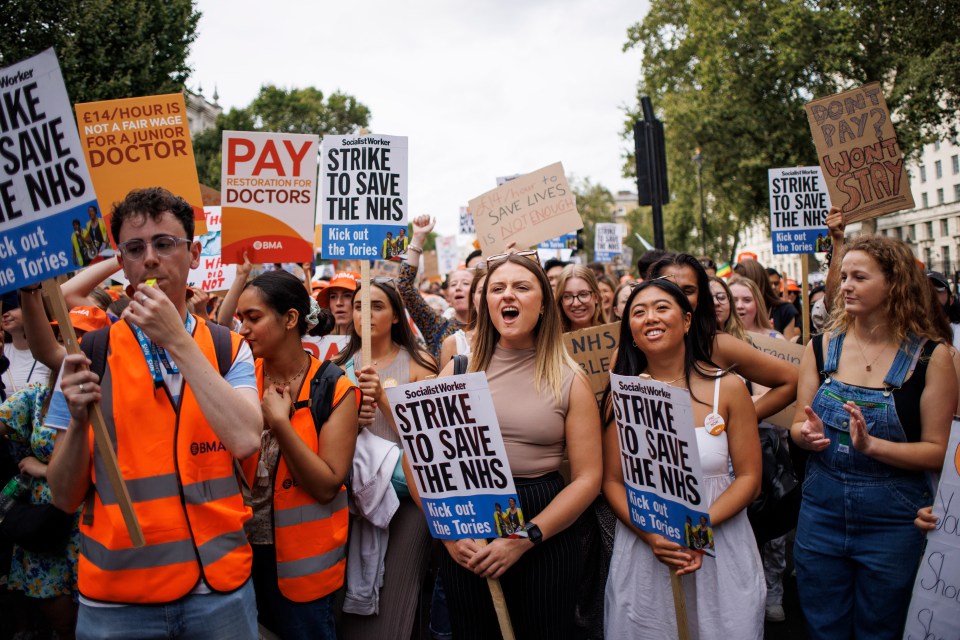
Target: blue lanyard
155, 355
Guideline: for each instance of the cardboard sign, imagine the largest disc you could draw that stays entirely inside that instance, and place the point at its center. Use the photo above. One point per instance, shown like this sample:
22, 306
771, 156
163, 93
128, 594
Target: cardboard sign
45, 190
785, 350
502, 180
660, 461
135, 143
466, 222
430, 265
385, 269
363, 197
935, 606
451, 437
448, 256
607, 241
527, 210
212, 274
799, 203
858, 152
566, 241
593, 350
268, 190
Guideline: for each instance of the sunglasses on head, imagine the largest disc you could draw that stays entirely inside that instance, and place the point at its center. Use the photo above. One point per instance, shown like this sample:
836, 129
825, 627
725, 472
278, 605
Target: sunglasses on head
492, 261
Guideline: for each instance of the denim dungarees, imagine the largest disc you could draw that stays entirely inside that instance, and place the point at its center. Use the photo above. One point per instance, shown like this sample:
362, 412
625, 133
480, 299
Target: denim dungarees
857, 549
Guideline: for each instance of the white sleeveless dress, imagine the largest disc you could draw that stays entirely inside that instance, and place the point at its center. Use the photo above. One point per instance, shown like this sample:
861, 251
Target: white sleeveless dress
725, 598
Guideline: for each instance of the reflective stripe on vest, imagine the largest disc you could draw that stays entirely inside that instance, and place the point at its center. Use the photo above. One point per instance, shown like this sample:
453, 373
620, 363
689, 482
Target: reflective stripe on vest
187, 499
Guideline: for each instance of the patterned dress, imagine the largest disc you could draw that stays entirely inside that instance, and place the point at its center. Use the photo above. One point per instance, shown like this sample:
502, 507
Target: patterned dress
38, 575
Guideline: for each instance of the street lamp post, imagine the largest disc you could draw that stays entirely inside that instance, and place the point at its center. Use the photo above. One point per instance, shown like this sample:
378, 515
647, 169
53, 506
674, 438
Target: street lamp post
698, 160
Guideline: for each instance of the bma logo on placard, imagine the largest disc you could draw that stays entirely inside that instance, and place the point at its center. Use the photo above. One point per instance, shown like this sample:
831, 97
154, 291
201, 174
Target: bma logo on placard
267, 244
196, 448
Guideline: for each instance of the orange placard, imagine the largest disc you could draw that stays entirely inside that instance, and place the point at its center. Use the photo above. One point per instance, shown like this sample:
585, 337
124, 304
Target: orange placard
134, 143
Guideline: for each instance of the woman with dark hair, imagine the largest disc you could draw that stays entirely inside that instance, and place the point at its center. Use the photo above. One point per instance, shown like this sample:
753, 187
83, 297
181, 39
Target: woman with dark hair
875, 403
725, 350
783, 315
725, 594
519, 341
297, 479
395, 359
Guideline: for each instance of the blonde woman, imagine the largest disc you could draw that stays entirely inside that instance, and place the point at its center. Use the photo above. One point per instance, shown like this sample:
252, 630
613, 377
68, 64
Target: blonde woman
579, 299
727, 321
750, 307
518, 342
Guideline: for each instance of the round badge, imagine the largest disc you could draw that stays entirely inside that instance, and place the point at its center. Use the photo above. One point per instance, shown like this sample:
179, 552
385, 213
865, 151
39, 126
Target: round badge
714, 424
389, 383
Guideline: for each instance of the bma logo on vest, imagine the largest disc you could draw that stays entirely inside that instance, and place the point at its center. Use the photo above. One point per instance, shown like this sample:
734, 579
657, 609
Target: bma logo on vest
197, 448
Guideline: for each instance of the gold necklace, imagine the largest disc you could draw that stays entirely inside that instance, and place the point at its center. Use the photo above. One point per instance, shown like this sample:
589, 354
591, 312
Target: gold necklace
680, 377
869, 365
283, 383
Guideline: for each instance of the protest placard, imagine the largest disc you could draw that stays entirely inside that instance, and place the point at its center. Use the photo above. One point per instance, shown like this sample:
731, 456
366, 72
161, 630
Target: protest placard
527, 210
268, 190
430, 265
451, 437
466, 222
858, 151
785, 350
502, 180
448, 256
324, 347
593, 349
363, 201
385, 269
660, 461
135, 143
212, 274
45, 190
566, 241
607, 241
799, 203
935, 606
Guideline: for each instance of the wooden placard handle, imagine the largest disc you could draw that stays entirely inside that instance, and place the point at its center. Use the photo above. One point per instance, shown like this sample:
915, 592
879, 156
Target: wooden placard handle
100, 436
499, 602
679, 606
805, 296
365, 344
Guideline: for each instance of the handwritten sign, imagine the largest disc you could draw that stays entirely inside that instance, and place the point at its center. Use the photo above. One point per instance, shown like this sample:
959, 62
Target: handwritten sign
785, 350
45, 190
799, 203
527, 210
466, 222
448, 256
363, 196
660, 461
135, 143
935, 606
268, 190
607, 241
212, 274
593, 349
451, 437
858, 152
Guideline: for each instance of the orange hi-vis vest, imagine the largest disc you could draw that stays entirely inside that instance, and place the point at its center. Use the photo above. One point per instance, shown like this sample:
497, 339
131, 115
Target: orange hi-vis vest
182, 483
310, 538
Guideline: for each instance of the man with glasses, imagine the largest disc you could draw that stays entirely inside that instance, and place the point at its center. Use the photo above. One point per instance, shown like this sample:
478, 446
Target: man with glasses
177, 425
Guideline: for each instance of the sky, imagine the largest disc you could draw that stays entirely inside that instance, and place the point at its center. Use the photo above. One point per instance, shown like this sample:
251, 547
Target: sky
481, 89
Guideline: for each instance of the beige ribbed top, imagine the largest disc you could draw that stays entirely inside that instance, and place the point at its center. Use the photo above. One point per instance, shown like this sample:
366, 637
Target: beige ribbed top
532, 422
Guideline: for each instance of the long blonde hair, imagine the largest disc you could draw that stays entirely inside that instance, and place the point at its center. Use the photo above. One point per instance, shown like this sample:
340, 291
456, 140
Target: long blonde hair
551, 354
762, 319
587, 275
733, 325
908, 306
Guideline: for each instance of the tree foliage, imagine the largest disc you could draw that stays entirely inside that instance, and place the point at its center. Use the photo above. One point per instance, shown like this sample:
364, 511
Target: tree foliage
731, 79
595, 204
280, 110
107, 48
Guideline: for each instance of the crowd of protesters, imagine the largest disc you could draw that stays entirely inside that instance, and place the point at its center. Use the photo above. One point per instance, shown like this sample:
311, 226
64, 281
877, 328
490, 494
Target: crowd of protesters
273, 493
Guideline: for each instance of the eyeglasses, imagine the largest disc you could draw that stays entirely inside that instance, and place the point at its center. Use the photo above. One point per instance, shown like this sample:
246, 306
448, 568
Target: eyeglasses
386, 281
583, 297
492, 261
720, 297
163, 246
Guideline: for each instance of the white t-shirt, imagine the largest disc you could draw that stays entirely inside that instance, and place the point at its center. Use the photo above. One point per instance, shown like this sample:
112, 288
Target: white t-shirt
24, 369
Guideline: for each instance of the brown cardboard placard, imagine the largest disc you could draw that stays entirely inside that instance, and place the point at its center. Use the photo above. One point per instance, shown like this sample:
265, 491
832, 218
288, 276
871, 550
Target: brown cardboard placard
593, 350
431, 266
858, 152
535, 207
785, 350
385, 269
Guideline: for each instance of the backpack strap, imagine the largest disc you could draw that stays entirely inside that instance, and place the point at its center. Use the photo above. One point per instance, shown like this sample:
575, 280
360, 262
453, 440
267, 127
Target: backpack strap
818, 355
222, 346
322, 388
460, 362
95, 345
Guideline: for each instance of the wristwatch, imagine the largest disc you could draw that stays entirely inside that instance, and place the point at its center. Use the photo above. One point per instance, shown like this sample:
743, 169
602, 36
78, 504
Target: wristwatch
533, 533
